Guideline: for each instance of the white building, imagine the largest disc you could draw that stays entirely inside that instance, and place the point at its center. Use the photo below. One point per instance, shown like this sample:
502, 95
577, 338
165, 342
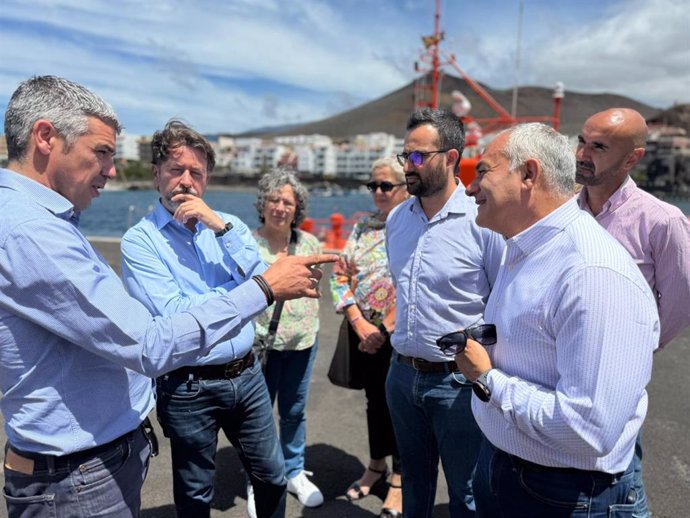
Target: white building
315, 155
127, 147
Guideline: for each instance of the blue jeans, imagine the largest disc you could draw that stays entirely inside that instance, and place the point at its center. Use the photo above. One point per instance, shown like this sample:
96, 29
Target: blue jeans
641, 506
504, 487
287, 377
192, 412
432, 418
105, 484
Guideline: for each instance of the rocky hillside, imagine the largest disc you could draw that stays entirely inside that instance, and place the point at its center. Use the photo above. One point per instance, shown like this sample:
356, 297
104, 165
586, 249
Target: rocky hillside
390, 112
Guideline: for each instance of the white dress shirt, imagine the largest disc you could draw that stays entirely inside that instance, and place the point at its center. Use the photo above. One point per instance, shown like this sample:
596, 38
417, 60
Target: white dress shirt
577, 325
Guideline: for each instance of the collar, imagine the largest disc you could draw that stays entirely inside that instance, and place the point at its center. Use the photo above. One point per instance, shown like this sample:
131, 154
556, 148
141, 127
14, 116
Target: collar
458, 203
618, 198
162, 218
47, 198
542, 231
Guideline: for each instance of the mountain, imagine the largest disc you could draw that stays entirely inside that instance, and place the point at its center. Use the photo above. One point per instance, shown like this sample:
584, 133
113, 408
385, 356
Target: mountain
389, 113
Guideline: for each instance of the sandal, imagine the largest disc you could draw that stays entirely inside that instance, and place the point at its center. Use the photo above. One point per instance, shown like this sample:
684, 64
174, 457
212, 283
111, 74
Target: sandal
387, 512
383, 475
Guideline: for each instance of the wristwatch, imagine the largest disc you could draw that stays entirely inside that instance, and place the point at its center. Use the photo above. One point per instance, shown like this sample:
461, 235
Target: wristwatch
481, 388
227, 228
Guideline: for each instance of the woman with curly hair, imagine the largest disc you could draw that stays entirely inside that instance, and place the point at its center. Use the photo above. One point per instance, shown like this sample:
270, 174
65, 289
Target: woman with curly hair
282, 204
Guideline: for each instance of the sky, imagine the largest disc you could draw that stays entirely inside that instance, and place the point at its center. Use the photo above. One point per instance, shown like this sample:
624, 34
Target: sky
227, 66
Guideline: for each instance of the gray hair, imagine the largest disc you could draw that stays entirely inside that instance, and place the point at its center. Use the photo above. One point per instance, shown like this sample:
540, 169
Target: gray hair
67, 105
276, 180
542, 142
392, 164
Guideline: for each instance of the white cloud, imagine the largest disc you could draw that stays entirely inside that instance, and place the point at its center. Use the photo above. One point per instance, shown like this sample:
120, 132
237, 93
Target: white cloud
234, 65
642, 50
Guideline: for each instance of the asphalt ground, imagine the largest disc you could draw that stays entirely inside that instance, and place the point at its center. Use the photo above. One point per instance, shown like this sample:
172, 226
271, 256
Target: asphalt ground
337, 449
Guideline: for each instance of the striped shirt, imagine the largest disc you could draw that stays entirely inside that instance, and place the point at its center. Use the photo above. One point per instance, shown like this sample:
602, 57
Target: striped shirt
657, 235
577, 326
443, 270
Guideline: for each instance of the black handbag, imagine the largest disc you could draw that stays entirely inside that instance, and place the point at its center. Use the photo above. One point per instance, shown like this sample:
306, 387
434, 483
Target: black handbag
347, 368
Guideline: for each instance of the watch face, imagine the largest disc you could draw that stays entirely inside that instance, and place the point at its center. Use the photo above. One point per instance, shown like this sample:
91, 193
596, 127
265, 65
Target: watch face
481, 391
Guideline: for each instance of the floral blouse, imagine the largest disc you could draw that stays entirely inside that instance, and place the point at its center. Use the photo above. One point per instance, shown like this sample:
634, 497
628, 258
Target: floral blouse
299, 320
361, 276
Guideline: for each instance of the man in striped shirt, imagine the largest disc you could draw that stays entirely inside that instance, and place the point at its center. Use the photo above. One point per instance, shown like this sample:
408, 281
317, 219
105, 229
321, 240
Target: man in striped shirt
561, 396
655, 233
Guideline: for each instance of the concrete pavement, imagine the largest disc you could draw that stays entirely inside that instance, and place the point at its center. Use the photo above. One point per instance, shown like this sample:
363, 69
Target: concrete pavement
337, 449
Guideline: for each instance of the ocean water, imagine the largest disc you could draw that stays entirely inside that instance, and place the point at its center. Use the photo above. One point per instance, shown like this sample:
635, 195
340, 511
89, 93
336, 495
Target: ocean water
113, 212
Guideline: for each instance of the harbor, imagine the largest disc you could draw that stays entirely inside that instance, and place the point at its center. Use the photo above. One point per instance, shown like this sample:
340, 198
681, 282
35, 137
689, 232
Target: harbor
337, 449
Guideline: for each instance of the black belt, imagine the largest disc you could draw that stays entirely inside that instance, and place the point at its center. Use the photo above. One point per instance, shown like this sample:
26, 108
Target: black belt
538, 468
215, 372
423, 365
53, 463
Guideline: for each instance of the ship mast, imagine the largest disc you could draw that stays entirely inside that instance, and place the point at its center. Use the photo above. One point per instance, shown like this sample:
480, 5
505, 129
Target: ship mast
427, 87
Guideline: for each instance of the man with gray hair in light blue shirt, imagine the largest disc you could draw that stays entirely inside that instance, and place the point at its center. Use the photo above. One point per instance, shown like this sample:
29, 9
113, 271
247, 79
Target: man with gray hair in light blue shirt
76, 352
561, 395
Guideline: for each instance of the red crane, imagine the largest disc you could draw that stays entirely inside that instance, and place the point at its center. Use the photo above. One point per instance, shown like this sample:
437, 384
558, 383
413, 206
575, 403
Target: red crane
427, 87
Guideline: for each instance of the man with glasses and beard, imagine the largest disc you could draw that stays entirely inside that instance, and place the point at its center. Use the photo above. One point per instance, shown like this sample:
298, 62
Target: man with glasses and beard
443, 266
655, 233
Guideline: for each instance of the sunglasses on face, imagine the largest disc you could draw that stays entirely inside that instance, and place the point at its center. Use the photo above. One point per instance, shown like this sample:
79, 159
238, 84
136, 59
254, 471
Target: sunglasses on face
416, 157
455, 342
384, 186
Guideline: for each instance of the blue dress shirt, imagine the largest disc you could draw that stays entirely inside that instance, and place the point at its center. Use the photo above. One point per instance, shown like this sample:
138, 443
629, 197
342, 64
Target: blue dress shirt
443, 270
170, 269
577, 325
76, 351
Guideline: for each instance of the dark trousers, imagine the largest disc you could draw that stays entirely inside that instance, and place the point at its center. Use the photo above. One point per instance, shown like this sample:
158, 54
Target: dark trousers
508, 487
105, 481
379, 425
192, 412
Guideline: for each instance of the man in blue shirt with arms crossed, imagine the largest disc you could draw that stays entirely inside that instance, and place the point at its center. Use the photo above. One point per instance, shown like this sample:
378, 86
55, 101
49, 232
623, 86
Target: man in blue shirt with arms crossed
183, 254
77, 352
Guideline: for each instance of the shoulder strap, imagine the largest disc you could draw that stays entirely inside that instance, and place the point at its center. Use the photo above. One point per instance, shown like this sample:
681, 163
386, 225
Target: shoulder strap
275, 318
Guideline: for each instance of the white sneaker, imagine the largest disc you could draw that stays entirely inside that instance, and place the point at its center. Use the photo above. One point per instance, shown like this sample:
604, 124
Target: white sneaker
251, 504
306, 492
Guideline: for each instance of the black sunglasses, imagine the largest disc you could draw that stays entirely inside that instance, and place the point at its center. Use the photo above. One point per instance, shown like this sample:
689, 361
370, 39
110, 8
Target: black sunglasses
455, 342
417, 157
384, 186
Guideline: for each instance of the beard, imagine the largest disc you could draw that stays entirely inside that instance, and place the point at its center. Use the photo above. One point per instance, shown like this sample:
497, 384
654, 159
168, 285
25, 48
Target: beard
171, 205
585, 174
434, 181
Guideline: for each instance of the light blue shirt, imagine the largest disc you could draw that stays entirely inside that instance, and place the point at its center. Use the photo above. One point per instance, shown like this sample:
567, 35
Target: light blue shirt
76, 351
170, 269
443, 270
577, 325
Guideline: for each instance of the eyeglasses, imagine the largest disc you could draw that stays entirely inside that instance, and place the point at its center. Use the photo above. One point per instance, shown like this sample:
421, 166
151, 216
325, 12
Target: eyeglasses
455, 342
384, 186
417, 157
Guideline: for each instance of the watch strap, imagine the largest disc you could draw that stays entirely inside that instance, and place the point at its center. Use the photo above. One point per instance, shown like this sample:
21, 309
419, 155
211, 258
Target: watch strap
227, 228
480, 386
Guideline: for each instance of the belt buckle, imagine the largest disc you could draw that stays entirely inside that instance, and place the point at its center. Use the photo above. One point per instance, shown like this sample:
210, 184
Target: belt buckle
233, 369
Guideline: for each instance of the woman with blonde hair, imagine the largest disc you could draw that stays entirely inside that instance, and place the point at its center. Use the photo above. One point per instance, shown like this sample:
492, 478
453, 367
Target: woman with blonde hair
363, 290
